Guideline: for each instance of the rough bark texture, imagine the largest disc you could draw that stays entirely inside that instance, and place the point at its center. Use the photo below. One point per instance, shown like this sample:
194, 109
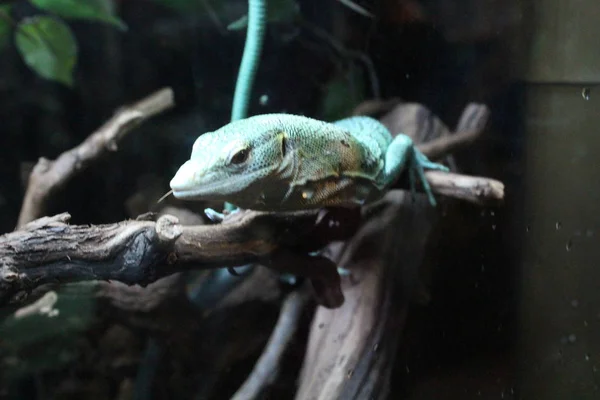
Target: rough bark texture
49, 250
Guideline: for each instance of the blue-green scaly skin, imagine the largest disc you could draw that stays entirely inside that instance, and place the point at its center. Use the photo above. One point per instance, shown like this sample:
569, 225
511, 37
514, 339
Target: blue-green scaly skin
282, 162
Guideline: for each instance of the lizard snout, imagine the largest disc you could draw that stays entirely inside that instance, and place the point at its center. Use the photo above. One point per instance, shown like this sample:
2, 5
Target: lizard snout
185, 179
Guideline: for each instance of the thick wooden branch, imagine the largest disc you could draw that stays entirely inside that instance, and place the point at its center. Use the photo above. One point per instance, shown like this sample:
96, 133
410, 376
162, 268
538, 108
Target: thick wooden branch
49, 176
49, 250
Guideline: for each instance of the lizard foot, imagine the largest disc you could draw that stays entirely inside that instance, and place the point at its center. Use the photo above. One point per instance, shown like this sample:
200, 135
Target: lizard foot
216, 216
420, 162
402, 154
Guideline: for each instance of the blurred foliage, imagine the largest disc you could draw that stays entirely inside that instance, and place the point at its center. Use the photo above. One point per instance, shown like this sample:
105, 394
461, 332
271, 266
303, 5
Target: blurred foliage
47, 47
93, 10
39, 342
47, 44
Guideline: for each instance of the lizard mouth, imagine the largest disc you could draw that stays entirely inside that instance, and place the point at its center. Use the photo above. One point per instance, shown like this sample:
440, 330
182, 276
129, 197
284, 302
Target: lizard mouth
187, 186
211, 189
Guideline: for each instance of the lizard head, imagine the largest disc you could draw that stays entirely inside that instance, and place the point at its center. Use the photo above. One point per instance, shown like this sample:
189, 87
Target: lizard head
232, 163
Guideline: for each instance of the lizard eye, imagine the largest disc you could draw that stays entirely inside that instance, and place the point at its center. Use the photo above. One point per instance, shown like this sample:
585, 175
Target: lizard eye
240, 157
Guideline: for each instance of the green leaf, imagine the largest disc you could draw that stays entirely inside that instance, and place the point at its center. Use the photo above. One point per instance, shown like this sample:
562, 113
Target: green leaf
4, 25
95, 10
47, 47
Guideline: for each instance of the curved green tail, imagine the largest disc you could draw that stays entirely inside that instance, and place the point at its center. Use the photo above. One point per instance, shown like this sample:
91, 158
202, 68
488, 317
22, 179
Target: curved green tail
252, 49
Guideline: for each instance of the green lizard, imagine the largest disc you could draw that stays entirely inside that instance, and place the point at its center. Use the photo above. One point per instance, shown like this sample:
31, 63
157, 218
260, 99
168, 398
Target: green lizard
284, 162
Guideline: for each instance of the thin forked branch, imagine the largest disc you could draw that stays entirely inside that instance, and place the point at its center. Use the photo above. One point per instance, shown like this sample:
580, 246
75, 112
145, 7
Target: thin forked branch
48, 176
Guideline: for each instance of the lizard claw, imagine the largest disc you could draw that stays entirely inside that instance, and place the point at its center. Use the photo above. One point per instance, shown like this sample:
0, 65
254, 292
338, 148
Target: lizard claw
428, 164
216, 216
213, 215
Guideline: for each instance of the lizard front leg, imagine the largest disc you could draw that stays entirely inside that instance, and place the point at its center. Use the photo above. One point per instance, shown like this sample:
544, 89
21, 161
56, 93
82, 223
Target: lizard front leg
402, 153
